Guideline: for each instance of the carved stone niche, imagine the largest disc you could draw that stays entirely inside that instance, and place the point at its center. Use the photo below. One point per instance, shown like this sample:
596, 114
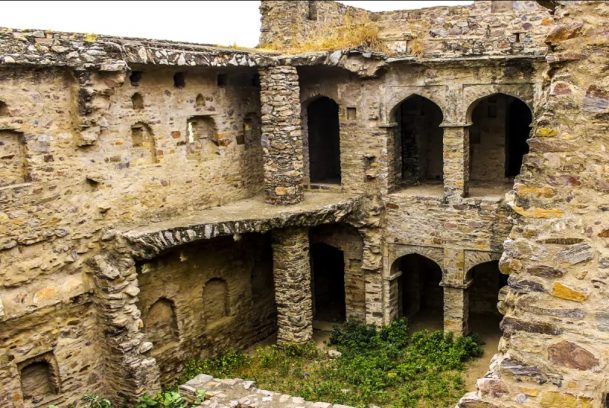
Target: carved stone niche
39, 377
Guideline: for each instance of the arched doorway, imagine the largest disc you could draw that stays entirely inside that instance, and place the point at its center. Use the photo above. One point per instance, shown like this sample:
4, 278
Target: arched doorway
419, 141
420, 295
484, 317
324, 141
498, 139
328, 272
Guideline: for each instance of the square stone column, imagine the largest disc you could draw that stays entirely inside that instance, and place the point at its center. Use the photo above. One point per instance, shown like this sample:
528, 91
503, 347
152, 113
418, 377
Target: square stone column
456, 309
456, 160
281, 135
293, 292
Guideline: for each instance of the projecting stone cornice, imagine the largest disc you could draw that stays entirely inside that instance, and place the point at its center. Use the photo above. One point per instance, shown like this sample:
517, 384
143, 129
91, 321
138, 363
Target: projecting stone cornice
240, 217
107, 53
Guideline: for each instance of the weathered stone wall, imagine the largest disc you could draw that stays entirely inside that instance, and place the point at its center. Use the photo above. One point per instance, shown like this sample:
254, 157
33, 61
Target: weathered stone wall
104, 164
478, 29
66, 334
553, 350
218, 295
91, 151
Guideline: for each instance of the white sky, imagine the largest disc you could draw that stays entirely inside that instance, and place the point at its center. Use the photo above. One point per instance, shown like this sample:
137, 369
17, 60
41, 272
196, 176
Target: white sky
209, 22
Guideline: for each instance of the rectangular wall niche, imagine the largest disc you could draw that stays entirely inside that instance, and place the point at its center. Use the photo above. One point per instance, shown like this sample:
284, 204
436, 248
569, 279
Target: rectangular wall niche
202, 137
39, 380
13, 164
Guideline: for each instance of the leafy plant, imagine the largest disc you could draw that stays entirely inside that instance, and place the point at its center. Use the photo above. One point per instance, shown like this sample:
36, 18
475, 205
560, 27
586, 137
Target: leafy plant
95, 401
166, 399
389, 367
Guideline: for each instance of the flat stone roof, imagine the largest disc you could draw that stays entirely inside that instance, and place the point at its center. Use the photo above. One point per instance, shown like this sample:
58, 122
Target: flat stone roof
239, 217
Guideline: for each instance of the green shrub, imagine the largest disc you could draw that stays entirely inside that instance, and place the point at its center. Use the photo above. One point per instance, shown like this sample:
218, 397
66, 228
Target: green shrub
166, 399
388, 367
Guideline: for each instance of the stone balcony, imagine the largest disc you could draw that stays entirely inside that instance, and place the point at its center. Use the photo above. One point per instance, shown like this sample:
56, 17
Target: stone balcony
251, 215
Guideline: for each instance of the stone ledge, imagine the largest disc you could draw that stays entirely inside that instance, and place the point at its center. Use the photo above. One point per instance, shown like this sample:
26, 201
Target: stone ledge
230, 393
240, 217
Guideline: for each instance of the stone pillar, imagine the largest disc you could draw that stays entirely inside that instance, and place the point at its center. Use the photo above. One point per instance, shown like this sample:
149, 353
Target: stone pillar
456, 301
281, 135
128, 371
456, 309
293, 292
456, 160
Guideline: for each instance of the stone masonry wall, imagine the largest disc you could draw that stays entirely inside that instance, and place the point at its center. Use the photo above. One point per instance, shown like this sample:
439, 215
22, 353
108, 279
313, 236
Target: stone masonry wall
281, 135
292, 277
553, 351
439, 32
221, 293
100, 150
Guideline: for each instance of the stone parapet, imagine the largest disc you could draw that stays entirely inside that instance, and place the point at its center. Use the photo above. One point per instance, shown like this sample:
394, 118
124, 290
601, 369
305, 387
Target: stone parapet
281, 135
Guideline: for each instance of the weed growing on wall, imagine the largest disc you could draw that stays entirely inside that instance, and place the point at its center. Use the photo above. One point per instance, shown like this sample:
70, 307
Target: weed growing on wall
353, 32
389, 367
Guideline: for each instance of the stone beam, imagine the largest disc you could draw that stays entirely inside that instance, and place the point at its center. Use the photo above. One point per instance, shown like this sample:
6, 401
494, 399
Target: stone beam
241, 217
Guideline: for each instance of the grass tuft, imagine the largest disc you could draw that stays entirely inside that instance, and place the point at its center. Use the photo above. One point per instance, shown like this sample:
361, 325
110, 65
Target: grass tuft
388, 367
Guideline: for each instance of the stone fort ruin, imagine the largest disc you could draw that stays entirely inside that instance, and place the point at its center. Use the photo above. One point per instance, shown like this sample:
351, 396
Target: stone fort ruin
161, 201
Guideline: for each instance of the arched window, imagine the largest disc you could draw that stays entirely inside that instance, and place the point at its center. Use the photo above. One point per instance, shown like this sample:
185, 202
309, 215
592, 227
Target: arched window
137, 101
324, 141
215, 300
498, 139
328, 272
420, 294
143, 148
200, 101
13, 164
201, 132
160, 323
39, 380
419, 141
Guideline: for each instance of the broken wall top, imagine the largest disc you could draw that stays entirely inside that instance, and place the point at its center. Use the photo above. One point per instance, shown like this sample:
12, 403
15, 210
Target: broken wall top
483, 28
106, 53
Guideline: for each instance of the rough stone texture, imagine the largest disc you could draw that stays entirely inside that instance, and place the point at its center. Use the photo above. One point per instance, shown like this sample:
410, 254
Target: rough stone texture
225, 393
557, 239
221, 295
478, 29
281, 135
292, 277
126, 162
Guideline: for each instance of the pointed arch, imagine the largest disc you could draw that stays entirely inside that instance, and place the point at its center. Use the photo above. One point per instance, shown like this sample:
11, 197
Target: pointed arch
418, 141
500, 128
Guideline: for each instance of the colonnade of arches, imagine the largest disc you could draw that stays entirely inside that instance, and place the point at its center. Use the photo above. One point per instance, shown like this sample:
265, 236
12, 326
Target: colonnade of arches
498, 130
421, 294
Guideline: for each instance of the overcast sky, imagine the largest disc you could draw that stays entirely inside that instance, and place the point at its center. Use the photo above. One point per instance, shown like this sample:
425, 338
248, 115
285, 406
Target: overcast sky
210, 22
